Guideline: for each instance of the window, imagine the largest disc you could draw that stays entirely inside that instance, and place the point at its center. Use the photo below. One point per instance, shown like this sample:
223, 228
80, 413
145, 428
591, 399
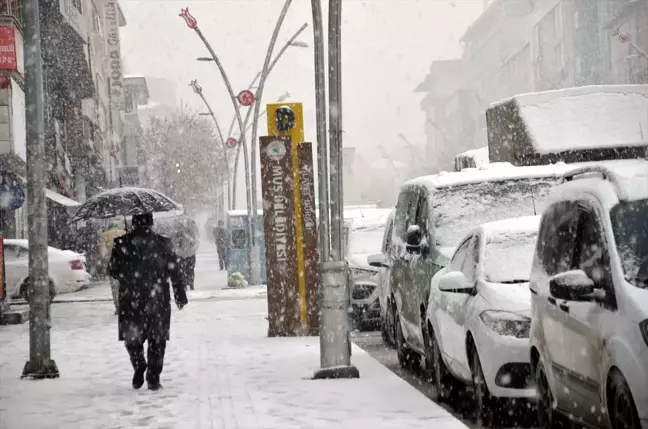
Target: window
239, 239
460, 255
389, 228
77, 6
11, 252
557, 237
469, 267
591, 251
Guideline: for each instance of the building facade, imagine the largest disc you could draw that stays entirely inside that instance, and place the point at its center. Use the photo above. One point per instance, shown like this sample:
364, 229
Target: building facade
521, 46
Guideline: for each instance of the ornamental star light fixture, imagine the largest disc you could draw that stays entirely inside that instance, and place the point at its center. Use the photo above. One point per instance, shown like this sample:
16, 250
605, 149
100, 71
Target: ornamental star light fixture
189, 19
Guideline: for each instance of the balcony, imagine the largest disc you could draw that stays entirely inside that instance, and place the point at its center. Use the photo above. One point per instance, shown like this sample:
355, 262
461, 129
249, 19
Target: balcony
11, 9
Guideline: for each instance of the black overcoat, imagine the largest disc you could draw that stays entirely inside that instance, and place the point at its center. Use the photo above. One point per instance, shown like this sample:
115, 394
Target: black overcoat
143, 262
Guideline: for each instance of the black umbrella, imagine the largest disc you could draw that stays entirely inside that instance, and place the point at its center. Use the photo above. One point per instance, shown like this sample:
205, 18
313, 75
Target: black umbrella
125, 202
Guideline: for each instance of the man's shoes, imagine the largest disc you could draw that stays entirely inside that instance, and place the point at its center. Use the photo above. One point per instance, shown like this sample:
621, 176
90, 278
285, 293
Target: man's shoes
154, 386
138, 377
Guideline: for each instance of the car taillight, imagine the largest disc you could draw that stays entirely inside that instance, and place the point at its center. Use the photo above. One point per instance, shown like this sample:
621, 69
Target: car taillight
76, 265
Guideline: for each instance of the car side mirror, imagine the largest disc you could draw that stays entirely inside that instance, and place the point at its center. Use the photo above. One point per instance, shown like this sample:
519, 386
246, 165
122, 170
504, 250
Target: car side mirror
414, 237
572, 285
455, 282
377, 260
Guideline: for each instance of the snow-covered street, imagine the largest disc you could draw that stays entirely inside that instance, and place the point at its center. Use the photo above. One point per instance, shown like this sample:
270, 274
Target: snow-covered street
221, 371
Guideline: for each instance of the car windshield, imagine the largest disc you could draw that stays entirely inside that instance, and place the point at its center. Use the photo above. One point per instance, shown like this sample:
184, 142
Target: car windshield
460, 208
631, 236
366, 240
508, 256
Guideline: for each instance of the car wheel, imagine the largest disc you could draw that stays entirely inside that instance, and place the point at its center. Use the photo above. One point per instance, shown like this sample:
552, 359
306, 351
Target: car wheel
485, 404
383, 330
623, 412
443, 381
428, 358
548, 416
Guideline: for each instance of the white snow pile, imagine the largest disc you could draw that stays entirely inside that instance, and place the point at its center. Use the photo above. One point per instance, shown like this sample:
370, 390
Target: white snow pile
590, 117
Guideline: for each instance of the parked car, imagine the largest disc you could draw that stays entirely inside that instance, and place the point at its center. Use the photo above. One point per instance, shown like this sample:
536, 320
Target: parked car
67, 271
364, 240
383, 262
433, 214
478, 316
589, 285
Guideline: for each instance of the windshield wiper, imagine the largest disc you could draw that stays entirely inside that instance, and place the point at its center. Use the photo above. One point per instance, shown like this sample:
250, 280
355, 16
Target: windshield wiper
513, 282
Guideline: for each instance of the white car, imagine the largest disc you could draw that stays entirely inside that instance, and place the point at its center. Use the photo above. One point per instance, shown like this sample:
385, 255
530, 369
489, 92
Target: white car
589, 284
67, 271
478, 315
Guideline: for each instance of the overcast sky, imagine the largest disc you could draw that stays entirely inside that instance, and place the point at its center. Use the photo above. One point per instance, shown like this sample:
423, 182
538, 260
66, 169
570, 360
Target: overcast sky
388, 46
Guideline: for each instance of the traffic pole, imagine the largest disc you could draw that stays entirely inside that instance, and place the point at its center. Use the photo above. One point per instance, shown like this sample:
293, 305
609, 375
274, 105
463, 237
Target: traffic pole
40, 364
335, 343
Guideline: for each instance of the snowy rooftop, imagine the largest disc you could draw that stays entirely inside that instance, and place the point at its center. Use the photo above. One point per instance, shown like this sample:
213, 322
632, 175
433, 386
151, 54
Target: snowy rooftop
589, 117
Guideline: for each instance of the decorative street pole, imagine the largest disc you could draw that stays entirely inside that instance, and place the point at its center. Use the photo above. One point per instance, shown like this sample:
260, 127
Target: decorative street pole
198, 90
192, 23
291, 42
256, 268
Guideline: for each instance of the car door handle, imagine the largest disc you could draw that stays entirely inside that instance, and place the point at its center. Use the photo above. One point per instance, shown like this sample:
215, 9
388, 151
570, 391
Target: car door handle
564, 307
551, 300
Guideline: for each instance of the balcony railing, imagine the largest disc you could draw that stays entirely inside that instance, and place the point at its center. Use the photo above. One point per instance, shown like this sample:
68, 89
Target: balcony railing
11, 8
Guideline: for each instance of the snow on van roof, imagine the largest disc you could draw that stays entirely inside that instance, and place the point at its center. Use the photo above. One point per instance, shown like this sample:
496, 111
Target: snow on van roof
503, 171
589, 117
629, 177
512, 225
498, 172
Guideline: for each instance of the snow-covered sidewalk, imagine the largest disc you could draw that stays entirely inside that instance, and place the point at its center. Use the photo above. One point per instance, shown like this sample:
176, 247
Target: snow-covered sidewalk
221, 371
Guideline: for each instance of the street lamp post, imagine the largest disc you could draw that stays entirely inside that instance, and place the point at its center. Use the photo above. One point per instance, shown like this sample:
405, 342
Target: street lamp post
291, 42
335, 342
198, 90
256, 257
193, 24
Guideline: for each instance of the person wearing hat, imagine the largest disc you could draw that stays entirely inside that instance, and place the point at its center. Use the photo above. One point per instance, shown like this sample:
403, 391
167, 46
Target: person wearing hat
106, 242
143, 262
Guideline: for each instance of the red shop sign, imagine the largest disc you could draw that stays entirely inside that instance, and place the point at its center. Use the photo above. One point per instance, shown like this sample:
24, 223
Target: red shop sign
8, 59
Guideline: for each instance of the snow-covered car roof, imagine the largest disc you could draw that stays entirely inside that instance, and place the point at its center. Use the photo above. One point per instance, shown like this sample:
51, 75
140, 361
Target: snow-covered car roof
503, 171
495, 172
588, 117
513, 225
25, 243
629, 178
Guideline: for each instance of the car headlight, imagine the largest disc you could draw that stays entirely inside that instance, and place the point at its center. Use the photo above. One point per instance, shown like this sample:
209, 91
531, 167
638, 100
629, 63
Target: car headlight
507, 323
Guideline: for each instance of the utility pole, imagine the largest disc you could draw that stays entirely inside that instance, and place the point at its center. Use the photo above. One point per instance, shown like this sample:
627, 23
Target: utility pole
40, 364
335, 343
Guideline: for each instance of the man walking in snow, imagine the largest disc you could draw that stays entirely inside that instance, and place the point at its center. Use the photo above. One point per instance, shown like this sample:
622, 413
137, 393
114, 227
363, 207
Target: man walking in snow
143, 262
223, 241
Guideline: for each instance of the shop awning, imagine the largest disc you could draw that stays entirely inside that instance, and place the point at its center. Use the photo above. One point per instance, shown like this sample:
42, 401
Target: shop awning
61, 199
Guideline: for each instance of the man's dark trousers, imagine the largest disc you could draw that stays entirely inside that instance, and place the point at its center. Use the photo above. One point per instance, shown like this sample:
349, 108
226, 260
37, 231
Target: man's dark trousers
155, 364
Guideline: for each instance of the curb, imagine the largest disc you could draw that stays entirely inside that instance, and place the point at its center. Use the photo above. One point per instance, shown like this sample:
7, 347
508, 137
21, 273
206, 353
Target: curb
87, 300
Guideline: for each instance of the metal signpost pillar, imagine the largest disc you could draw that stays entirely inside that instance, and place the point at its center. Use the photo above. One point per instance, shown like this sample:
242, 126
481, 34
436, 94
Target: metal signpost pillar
40, 364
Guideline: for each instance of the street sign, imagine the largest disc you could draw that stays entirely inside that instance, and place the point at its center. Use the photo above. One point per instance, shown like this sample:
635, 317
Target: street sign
309, 232
231, 142
279, 228
246, 98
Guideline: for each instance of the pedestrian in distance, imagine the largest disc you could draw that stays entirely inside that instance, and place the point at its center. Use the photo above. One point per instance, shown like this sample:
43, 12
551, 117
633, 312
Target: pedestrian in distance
223, 241
143, 263
106, 244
